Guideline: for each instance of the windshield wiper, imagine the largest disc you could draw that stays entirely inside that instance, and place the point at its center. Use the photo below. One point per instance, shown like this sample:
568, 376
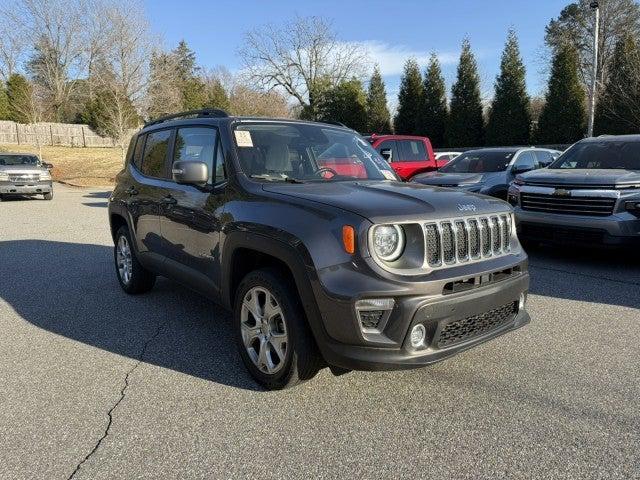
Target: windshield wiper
276, 178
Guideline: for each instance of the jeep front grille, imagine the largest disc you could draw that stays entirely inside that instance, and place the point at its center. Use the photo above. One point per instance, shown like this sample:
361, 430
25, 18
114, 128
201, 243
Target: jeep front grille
450, 242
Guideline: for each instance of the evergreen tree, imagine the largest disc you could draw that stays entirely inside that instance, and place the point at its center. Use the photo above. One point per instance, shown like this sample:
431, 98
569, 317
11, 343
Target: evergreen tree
378, 117
4, 104
509, 117
346, 103
617, 108
217, 96
20, 99
563, 116
466, 125
434, 111
406, 121
185, 61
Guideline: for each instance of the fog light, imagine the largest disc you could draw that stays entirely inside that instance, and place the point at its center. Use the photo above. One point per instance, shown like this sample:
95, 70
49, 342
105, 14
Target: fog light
373, 313
418, 334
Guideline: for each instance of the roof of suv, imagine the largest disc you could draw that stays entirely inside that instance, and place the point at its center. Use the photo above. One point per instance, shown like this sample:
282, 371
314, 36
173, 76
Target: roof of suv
612, 138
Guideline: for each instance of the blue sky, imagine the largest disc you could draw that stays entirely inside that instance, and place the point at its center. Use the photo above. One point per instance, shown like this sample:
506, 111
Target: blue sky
391, 31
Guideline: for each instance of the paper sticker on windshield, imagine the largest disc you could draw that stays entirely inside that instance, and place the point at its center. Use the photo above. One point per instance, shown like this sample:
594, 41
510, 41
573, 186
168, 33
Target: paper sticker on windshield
388, 175
243, 138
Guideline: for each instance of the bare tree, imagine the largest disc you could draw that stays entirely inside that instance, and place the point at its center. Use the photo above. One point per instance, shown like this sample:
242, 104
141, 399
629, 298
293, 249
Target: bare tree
576, 25
13, 47
56, 30
295, 56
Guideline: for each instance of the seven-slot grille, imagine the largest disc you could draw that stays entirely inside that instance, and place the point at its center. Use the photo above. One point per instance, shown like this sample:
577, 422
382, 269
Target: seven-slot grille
24, 177
568, 205
457, 241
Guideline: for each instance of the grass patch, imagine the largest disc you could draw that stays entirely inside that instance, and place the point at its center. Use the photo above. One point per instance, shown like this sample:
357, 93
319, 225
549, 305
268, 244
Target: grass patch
90, 166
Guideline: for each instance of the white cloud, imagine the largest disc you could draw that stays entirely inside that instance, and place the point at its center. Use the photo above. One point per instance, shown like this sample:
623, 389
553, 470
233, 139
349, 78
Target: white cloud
391, 58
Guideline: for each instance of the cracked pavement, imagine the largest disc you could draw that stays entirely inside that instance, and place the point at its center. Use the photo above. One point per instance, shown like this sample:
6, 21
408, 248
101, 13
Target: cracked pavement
96, 384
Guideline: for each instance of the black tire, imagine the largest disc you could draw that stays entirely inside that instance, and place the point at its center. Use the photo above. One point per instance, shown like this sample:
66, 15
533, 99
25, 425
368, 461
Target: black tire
302, 358
48, 196
141, 280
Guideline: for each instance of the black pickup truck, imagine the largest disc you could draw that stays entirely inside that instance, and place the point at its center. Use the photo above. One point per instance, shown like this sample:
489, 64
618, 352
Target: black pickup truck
324, 257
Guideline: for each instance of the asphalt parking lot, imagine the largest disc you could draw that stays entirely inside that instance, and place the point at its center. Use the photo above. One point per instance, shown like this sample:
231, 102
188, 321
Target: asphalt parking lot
97, 384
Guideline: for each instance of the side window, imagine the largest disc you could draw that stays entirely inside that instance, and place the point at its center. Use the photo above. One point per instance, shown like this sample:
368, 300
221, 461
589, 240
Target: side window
544, 158
526, 161
197, 144
137, 153
221, 173
155, 154
412, 151
389, 145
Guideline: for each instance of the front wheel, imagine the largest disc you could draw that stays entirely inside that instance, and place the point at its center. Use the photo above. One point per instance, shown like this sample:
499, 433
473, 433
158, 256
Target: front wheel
132, 276
48, 196
272, 334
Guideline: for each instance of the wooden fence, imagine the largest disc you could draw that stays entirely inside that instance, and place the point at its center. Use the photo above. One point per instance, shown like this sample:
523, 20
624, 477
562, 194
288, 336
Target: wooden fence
40, 134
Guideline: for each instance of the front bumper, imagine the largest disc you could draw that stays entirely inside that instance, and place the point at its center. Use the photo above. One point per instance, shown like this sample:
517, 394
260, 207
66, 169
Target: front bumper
346, 346
36, 188
616, 230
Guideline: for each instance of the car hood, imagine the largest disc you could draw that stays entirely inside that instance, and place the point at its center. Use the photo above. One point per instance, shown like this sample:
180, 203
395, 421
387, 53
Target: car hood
385, 201
21, 168
586, 177
455, 179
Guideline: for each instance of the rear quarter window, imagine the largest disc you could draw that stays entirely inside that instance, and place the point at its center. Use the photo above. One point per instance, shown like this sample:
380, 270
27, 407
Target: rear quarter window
137, 152
154, 159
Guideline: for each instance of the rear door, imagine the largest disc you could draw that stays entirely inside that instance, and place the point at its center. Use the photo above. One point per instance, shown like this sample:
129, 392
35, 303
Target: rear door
149, 184
190, 217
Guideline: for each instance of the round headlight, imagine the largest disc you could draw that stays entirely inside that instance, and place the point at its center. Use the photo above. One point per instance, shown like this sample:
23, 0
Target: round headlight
388, 242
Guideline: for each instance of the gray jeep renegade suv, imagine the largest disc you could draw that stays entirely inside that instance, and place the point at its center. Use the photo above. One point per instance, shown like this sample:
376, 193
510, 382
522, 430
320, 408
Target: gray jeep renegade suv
324, 257
24, 174
590, 195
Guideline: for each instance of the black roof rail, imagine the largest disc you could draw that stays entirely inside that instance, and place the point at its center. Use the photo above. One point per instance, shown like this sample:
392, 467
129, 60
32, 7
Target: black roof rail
334, 122
205, 112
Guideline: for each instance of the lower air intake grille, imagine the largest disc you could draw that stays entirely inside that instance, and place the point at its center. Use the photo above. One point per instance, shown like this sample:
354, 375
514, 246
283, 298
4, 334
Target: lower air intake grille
467, 328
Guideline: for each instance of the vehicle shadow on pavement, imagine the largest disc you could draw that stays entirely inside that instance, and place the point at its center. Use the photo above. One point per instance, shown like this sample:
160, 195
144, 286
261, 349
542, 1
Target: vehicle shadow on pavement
77, 296
105, 194
607, 276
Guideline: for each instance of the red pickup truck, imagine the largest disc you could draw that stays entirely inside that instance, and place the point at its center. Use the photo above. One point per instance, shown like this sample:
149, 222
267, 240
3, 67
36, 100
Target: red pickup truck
408, 155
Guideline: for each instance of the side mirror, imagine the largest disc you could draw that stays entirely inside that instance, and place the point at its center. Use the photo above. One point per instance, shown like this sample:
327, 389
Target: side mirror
522, 168
387, 154
46, 165
192, 173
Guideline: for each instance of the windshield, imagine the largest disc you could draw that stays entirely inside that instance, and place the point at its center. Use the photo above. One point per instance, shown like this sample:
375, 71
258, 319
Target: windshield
301, 152
624, 155
478, 161
18, 160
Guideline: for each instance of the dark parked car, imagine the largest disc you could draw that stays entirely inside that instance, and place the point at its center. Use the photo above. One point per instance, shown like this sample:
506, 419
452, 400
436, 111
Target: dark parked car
24, 174
319, 267
488, 170
589, 195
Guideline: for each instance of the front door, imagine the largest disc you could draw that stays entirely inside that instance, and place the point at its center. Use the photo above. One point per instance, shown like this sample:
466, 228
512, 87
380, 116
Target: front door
190, 216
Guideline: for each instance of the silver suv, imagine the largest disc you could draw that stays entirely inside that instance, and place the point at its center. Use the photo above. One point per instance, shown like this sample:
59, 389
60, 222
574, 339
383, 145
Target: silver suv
24, 174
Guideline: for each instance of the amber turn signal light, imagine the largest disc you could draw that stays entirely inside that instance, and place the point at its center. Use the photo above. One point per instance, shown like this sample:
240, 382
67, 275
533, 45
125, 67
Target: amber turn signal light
349, 239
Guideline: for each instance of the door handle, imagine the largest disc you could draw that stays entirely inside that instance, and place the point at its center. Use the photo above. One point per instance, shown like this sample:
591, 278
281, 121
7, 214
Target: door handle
131, 190
168, 200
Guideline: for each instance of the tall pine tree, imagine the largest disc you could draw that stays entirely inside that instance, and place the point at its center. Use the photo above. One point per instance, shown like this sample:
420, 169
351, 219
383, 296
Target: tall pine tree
563, 116
406, 121
378, 117
617, 108
509, 117
20, 99
4, 103
434, 111
466, 125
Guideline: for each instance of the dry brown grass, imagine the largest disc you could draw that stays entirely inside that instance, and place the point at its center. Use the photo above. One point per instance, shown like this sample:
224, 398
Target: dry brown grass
76, 165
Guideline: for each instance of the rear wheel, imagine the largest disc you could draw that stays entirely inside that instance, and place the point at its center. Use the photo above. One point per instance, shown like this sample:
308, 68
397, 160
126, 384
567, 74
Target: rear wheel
272, 334
132, 276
